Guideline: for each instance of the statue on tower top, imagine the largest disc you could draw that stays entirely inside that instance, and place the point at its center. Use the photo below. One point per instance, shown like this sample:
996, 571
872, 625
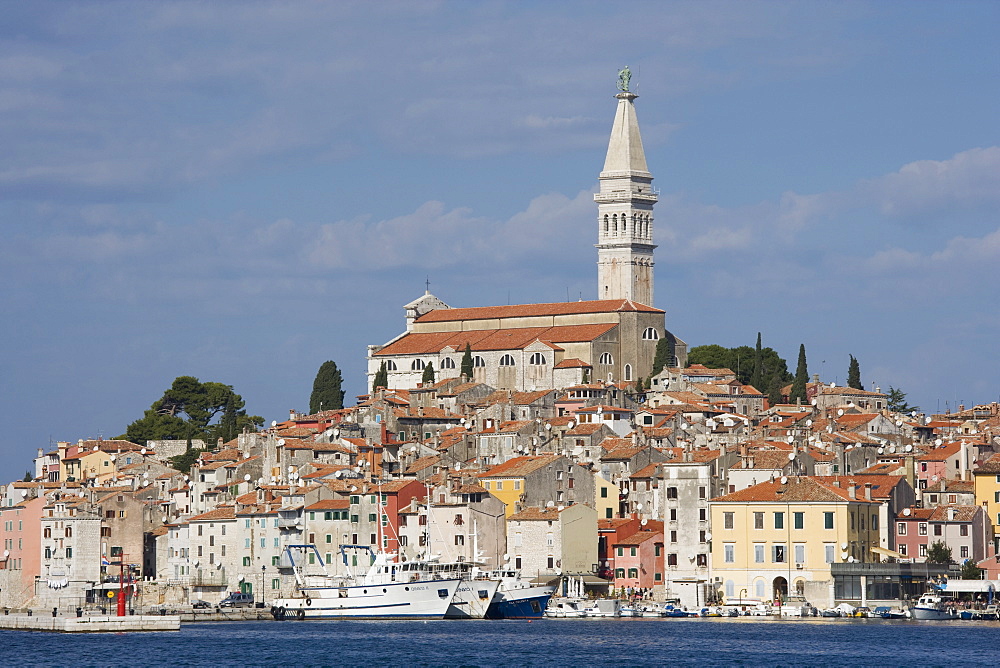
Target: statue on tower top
623, 79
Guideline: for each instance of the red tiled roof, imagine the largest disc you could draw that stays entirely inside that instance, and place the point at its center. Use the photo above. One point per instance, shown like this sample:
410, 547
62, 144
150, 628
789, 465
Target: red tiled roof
529, 310
428, 343
519, 466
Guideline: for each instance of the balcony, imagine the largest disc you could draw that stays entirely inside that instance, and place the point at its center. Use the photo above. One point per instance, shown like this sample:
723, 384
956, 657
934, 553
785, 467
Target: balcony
289, 523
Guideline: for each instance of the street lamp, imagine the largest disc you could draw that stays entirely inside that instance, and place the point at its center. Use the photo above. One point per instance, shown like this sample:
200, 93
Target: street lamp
262, 567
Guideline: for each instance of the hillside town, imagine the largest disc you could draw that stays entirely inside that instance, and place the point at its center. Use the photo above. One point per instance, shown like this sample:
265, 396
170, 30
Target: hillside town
545, 439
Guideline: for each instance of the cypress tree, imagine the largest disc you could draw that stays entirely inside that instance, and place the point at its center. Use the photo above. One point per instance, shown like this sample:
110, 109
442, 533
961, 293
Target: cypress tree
664, 355
639, 387
774, 389
327, 393
757, 377
381, 378
798, 392
854, 374
428, 377
467, 361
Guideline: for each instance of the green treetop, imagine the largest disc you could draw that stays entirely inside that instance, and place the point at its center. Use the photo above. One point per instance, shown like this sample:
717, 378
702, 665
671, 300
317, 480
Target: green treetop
428, 376
798, 392
466, 368
854, 374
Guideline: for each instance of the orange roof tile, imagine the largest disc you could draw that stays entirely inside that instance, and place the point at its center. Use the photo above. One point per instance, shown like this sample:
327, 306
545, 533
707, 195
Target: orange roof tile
529, 310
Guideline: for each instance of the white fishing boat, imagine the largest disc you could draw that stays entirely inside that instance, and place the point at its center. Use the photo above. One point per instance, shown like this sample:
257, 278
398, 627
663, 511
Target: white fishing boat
565, 607
384, 592
518, 598
932, 605
475, 593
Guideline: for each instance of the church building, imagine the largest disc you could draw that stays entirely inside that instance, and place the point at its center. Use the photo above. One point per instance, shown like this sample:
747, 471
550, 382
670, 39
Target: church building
543, 346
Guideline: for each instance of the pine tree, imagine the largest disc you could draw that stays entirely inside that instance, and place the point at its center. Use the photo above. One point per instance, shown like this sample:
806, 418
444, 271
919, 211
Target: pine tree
757, 377
854, 374
381, 378
639, 387
467, 362
428, 377
798, 392
327, 393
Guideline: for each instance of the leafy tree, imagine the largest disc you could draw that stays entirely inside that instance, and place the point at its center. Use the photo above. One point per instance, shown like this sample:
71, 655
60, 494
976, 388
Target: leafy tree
970, 571
381, 377
742, 360
428, 377
185, 461
774, 396
187, 411
854, 374
798, 392
897, 401
327, 393
938, 553
466, 367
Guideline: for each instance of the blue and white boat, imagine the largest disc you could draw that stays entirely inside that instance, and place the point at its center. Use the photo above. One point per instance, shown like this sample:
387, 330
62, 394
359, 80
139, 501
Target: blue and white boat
517, 598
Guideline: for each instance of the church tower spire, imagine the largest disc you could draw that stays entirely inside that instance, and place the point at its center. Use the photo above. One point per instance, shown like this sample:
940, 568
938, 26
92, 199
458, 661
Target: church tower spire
625, 209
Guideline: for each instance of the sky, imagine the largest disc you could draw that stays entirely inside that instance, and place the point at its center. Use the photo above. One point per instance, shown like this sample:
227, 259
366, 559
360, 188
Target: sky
242, 191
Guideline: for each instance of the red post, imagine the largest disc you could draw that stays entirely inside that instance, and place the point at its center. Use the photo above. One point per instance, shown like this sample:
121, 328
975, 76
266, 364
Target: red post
121, 587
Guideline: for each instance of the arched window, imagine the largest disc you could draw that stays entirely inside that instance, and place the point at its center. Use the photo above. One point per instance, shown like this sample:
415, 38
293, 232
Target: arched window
759, 588
537, 359
417, 365
614, 221
607, 359
390, 365
506, 360
624, 223
447, 363
628, 372
47, 533
478, 362
69, 532
650, 334
606, 223
800, 587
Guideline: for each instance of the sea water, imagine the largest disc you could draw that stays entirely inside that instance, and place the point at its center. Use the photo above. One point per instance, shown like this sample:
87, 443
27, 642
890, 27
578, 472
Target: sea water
545, 642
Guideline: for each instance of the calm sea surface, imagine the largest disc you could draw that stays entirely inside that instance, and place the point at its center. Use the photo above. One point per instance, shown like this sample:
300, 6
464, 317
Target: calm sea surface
557, 642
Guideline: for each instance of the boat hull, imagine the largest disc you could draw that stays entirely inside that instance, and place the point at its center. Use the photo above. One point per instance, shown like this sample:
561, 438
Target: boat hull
931, 614
415, 600
472, 599
522, 603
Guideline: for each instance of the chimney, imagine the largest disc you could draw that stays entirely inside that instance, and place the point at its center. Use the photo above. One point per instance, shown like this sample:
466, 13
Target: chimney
951, 514
836, 483
868, 491
942, 484
291, 414
852, 490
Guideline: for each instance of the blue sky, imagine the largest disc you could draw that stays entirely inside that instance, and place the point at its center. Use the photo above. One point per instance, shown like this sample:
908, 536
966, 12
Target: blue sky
241, 191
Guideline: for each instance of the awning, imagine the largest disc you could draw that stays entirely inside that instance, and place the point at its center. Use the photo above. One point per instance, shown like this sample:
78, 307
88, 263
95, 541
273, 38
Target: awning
889, 553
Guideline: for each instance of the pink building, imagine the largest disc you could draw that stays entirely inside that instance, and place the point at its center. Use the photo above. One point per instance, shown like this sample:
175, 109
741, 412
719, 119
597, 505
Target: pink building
639, 560
965, 529
20, 559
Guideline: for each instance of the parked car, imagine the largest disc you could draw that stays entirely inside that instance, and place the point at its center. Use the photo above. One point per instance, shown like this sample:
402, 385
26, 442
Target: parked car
199, 604
237, 600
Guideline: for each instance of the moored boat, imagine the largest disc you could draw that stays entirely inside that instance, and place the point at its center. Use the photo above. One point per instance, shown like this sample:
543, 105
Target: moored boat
382, 593
517, 598
933, 606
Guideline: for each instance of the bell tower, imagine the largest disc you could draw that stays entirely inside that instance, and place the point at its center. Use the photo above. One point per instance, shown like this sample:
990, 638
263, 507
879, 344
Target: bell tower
625, 209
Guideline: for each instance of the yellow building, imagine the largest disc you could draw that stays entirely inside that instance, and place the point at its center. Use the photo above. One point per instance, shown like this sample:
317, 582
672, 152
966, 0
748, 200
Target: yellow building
507, 481
780, 537
605, 498
987, 479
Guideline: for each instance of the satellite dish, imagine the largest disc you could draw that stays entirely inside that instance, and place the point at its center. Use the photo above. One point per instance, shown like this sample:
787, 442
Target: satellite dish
809, 423
791, 456
187, 478
6, 553
833, 384
813, 402
260, 481
96, 448
850, 559
638, 506
708, 537
458, 466
548, 426
146, 474
907, 511
927, 420
684, 425
840, 411
625, 492
337, 474
892, 448
899, 423
881, 450
274, 423
113, 458
353, 488
850, 404
790, 439
784, 480
246, 477
550, 504
571, 424
281, 441
938, 442
643, 522
242, 578
291, 468
848, 447
843, 546
357, 469
909, 448
506, 557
